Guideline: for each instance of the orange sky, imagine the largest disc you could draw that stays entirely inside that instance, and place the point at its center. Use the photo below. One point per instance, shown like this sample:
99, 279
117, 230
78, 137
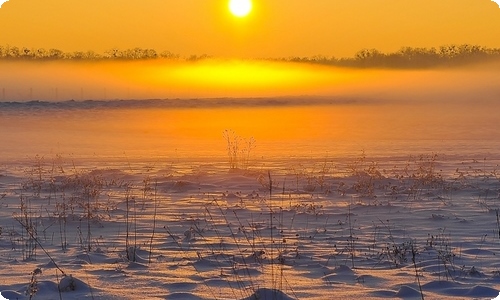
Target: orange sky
276, 28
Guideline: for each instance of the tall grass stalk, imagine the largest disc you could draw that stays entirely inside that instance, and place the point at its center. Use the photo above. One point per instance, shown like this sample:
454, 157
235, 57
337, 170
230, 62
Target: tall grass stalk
238, 246
351, 237
413, 259
127, 221
498, 222
273, 279
30, 232
155, 200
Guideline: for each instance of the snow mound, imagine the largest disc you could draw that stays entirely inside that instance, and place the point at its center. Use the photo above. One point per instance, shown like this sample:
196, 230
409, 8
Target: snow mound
482, 291
407, 292
70, 283
182, 295
9, 294
268, 294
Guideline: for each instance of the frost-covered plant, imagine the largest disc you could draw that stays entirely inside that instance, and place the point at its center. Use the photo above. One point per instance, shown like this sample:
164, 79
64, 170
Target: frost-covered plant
33, 285
444, 251
365, 174
238, 149
398, 253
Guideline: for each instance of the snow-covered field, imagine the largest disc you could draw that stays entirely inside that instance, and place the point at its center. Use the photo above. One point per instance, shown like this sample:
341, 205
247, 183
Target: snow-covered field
310, 229
401, 219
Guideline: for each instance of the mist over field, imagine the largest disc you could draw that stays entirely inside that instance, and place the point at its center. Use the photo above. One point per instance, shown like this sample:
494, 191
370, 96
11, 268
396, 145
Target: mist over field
209, 78
175, 106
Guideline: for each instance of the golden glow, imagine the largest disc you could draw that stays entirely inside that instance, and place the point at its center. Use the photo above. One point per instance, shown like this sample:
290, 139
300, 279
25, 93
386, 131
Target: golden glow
203, 26
159, 79
237, 74
240, 78
240, 8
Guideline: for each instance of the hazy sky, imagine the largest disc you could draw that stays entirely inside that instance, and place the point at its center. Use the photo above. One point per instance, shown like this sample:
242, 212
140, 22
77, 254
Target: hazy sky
275, 28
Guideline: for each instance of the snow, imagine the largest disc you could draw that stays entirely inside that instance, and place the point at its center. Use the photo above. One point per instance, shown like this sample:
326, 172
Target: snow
215, 242
370, 218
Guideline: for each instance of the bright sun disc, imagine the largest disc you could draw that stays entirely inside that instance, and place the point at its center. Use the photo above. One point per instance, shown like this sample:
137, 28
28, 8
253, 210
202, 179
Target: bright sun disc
240, 8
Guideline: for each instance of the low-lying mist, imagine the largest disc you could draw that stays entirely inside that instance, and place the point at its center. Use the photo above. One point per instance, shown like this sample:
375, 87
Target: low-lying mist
305, 109
213, 78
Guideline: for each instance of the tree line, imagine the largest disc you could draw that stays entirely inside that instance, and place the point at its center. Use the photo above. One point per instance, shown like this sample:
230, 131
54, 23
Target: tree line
24, 53
406, 57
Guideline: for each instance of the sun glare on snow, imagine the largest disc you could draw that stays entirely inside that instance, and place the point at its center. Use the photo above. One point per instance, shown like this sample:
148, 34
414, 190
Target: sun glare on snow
240, 8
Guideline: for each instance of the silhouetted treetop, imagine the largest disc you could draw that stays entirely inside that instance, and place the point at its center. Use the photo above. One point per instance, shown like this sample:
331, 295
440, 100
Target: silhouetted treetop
406, 57
14, 53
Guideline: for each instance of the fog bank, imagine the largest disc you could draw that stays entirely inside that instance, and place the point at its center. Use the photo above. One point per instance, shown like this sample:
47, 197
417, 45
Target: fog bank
166, 79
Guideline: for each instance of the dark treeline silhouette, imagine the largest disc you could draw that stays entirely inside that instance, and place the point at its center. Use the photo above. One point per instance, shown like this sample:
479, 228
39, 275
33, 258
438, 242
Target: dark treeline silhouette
406, 57
16, 53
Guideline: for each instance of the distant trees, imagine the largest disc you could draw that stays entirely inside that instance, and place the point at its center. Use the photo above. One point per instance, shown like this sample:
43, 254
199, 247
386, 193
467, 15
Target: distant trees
14, 53
8, 52
131, 54
406, 57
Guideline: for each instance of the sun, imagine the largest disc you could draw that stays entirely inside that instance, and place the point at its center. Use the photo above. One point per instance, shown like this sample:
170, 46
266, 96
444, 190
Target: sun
240, 8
